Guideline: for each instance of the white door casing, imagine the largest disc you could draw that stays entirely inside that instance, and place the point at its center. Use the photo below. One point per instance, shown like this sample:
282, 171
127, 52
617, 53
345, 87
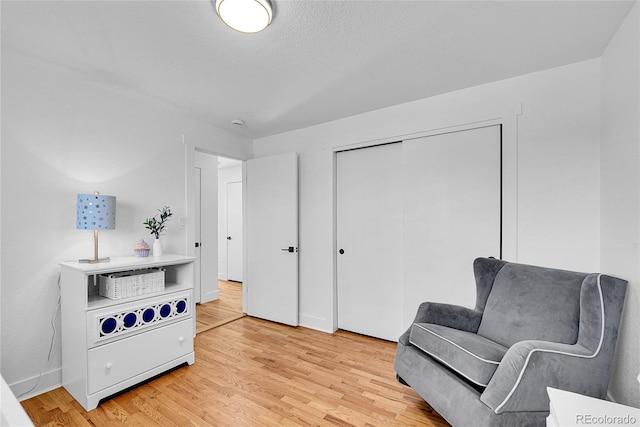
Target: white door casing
272, 238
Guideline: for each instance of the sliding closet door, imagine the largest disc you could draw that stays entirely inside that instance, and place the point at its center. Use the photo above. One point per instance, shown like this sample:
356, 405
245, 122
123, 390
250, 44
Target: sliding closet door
411, 218
452, 214
369, 238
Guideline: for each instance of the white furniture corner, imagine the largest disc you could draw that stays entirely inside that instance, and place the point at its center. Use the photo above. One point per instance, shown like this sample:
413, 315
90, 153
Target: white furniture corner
109, 345
567, 409
11, 412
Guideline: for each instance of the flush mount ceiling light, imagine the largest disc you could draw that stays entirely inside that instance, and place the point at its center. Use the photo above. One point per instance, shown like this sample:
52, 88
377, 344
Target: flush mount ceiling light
246, 16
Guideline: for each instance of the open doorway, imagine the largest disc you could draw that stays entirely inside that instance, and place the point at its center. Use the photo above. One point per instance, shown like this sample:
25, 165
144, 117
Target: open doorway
229, 275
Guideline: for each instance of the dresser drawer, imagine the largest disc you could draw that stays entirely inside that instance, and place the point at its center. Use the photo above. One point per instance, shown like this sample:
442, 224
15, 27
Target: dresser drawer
114, 323
121, 360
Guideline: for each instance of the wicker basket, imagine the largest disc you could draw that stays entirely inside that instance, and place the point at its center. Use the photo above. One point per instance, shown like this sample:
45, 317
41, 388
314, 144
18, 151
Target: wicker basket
128, 284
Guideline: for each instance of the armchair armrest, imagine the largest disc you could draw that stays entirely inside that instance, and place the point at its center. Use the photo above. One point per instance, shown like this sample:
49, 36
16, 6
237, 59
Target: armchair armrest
528, 367
457, 317
452, 316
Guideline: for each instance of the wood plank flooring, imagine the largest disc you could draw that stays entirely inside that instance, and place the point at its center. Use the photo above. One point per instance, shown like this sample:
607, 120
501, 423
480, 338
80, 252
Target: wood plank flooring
251, 372
223, 310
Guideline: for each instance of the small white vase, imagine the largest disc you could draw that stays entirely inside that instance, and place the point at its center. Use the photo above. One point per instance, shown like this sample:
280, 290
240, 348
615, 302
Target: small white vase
157, 247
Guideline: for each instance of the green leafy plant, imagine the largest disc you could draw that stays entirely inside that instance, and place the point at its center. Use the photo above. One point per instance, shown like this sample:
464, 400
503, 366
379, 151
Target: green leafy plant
156, 226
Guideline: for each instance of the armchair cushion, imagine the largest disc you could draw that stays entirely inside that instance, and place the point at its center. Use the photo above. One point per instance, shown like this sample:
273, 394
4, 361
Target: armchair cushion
470, 355
452, 316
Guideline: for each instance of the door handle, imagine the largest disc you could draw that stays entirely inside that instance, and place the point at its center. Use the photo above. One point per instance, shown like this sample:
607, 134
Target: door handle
289, 249
228, 237
197, 244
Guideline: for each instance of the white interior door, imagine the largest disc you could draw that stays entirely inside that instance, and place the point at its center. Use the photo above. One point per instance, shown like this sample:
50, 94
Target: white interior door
452, 215
234, 231
369, 227
272, 238
197, 221
206, 287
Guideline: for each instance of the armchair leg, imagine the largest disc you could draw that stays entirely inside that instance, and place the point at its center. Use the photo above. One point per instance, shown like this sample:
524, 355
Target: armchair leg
401, 381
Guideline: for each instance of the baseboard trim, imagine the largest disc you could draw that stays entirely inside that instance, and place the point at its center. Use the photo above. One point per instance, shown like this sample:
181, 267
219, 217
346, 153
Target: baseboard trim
31, 387
211, 296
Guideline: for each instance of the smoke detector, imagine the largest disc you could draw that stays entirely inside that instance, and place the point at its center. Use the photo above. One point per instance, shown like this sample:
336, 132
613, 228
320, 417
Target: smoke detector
237, 122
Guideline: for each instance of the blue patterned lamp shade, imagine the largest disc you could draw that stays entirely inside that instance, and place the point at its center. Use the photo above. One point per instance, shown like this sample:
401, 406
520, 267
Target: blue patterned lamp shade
96, 212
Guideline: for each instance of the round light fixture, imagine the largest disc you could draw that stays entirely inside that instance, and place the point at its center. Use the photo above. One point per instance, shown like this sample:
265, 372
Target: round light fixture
246, 16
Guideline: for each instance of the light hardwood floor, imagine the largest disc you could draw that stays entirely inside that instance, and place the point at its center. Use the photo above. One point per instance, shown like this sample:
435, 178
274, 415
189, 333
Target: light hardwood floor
223, 310
250, 372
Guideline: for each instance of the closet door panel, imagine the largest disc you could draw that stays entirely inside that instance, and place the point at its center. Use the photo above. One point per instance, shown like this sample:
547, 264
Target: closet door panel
369, 235
452, 205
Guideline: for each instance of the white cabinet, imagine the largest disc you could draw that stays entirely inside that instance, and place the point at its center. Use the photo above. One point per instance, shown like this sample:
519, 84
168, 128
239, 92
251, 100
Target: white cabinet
109, 345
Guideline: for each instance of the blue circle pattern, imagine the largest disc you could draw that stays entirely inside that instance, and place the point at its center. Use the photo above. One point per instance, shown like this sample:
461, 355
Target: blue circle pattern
118, 323
148, 315
165, 311
181, 306
130, 319
108, 325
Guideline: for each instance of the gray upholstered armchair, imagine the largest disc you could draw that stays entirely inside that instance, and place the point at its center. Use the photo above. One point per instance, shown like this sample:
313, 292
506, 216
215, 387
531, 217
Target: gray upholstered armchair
532, 327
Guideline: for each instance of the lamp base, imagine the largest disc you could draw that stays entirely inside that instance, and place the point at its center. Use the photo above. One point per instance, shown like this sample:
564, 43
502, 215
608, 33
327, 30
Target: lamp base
94, 261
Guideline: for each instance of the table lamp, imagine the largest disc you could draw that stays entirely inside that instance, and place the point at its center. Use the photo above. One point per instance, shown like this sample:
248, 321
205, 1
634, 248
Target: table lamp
95, 212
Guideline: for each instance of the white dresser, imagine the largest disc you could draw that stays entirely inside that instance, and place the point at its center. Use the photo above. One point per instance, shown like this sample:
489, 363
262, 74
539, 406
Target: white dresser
108, 344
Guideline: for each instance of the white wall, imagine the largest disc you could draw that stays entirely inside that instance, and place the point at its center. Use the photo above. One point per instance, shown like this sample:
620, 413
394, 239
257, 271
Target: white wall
225, 176
620, 194
63, 134
551, 171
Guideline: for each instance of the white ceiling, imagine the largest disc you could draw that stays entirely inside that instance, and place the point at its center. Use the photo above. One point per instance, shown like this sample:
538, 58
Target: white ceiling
318, 61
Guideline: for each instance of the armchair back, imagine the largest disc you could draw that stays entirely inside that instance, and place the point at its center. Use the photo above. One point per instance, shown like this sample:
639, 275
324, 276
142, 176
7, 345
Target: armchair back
533, 303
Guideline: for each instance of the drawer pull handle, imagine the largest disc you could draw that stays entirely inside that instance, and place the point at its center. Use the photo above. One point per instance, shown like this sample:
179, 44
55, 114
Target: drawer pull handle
181, 340
109, 365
